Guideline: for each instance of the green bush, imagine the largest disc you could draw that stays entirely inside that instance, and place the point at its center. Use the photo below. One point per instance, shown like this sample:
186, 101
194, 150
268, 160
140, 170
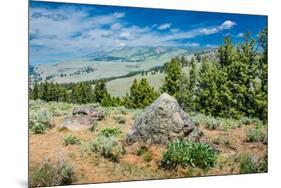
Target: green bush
250, 164
255, 135
189, 153
108, 132
109, 147
52, 175
38, 128
71, 140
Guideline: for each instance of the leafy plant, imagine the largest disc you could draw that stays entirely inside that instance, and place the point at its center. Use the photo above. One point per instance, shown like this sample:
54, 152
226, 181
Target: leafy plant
52, 175
108, 132
71, 140
189, 153
109, 147
38, 128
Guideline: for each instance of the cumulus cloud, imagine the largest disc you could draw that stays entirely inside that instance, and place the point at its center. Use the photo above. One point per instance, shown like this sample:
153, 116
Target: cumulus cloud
65, 32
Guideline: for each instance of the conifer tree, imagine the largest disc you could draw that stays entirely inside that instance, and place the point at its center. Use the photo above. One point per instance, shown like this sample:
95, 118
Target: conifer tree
173, 74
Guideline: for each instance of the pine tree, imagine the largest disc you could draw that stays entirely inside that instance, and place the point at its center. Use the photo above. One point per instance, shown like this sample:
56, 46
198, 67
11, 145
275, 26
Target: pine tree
141, 94
173, 74
35, 92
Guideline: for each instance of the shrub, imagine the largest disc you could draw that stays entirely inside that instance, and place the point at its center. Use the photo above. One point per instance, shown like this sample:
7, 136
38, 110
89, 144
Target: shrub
109, 147
52, 175
120, 119
212, 124
147, 156
108, 132
250, 164
41, 115
255, 135
189, 153
38, 128
71, 140
143, 151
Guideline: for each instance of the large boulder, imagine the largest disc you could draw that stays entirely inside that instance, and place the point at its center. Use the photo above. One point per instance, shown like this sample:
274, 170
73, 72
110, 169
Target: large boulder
161, 122
82, 118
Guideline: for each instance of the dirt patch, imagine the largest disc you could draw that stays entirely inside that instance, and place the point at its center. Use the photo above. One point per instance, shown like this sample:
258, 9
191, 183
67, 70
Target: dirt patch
91, 167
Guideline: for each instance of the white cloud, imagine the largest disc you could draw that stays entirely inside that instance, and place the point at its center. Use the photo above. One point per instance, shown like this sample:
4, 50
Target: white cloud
74, 32
192, 44
164, 26
240, 35
226, 25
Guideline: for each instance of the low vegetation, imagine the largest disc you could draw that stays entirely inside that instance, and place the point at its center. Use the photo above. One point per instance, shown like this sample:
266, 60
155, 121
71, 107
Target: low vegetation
250, 164
192, 154
38, 128
108, 132
255, 135
49, 174
145, 153
109, 147
71, 140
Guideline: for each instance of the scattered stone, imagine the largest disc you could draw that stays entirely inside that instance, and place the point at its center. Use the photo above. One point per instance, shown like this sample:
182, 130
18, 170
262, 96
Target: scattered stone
82, 118
161, 122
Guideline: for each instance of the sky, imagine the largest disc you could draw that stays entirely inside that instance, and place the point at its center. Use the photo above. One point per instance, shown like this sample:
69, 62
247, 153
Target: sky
61, 31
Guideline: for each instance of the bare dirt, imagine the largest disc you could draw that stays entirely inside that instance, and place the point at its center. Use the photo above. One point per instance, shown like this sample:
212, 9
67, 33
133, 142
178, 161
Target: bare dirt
90, 167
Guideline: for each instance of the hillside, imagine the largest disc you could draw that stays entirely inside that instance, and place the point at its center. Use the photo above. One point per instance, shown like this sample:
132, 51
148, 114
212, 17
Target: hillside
106, 64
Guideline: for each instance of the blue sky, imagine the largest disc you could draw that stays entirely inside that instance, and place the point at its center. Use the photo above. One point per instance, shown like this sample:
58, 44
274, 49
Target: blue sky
59, 31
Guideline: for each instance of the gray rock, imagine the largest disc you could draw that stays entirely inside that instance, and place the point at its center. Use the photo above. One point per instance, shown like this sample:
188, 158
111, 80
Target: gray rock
88, 111
82, 118
161, 122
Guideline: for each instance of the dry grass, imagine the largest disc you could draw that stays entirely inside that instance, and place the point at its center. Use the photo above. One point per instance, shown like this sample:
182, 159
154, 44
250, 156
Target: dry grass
93, 168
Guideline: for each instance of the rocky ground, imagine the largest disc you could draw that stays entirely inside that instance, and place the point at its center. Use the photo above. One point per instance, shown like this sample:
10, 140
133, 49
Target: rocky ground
138, 160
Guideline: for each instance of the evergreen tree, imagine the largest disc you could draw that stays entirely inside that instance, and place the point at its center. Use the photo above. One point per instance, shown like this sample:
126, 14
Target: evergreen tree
173, 74
82, 93
35, 92
141, 94
100, 91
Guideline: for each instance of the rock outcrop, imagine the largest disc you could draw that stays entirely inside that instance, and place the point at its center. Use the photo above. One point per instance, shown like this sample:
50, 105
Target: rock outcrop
82, 118
161, 122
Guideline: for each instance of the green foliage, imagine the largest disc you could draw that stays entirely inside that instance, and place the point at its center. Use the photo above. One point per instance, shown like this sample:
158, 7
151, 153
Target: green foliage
173, 75
38, 128
141, 95
250, 164
147, 156
82, 93
71, 140
189, 153
52, 175
108, 132
109, 147
255, 135
234, 85
143, 151
49, 92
